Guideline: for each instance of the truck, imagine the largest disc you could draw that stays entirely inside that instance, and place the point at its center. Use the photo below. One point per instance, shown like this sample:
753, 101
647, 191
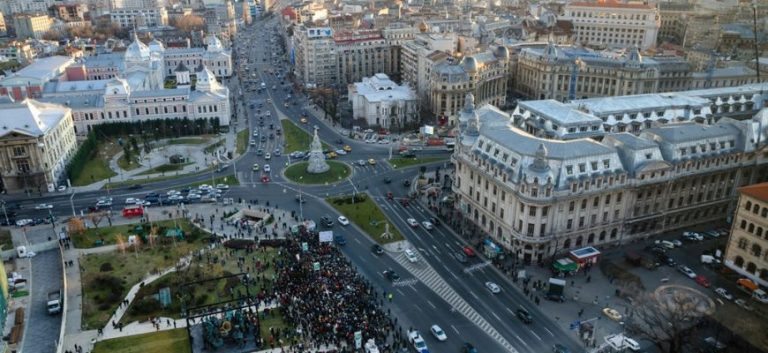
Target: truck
753, 289
54, 302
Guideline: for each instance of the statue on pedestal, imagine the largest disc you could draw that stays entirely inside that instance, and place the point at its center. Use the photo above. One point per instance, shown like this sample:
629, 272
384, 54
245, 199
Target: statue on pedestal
317, 164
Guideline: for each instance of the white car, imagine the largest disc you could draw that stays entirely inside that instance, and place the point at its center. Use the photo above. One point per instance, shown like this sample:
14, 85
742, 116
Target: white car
724, 293
438, 333
412, 222
493, 287
222, 186
173, 192
427, 225
62, 188
340, 152
267, 168
693, 236
267, 156
411, 255
23, 222
418, 342
43, 206
130, 201
343, 221
204, 187
686, 271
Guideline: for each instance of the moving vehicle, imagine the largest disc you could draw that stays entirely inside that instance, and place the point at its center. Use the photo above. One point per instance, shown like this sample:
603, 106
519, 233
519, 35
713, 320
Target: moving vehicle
724, 293
468, 348
54, 302
391, 275
133, 211
612, 314
44, 206
339, 239
326, 221
427, 225
267, 168
753, 289
438, 333
418, 342
468, 251
343, 221
702, 281
686, 271
524, 315
493, 287
559, 348
377, 249
411, 255
412, 222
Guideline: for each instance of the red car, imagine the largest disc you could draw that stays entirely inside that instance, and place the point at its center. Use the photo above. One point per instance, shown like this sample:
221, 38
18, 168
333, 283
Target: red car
703, 281
265, 179
389, 196
468, 251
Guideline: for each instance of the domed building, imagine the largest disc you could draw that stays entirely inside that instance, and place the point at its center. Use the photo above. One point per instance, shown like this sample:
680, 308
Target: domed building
144, 67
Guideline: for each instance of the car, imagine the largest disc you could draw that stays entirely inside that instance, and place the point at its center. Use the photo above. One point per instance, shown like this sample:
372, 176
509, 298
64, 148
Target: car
744, 304
411, 255
361, 163
438, 333
391, 275
62, 188
460, 257
331, 155
343, 221
304, 120
435, 221
676, 242
686, 271
372, 161
204, 187
714, 343
194, 197
377, 249
135, 187
222, 186
724, 293
493, 287
340, 152
267, 168
255, 167
255, 133
468, 251
554, 297
406, 183
43, 206
267, 156
387, 180
427, 225
24, 222
347, 149
383, 141
612, 314
130, 201
693, 236
664, 258
412, 222
418, 342
524, 315
326, 221
339, 239
702, 281
468, 348
259, 152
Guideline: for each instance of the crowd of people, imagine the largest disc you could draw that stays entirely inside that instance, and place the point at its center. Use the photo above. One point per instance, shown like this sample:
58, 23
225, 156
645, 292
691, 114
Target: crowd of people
323, 296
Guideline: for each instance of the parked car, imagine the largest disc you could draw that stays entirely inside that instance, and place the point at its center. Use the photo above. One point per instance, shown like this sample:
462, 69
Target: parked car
468, 251
461, 257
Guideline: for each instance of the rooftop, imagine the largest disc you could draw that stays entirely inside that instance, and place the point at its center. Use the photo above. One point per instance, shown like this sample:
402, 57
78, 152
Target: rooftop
610, 4
641, 102
559, 113
756, 191
44, 69
30, 117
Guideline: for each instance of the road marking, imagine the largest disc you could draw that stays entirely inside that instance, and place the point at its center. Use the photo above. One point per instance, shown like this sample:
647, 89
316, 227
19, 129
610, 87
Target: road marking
358, 241
496, 316
454, 275
474, 295
432, 305
455, 330
510, 311
550, 332
537, 336
436, 250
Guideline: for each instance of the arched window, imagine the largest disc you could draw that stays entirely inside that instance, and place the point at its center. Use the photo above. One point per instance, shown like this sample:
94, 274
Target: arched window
591, 238
743, 243
579, 240
756, 250
756, 209
739, 261
748, 206
614, 232
567, 244
751, 267
602, 236
765, 212
743, 224
751, 228
759, 232
764, 274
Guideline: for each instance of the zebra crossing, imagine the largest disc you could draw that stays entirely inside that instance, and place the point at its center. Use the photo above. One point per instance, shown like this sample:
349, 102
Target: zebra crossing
427, 275
477, 267
405, 282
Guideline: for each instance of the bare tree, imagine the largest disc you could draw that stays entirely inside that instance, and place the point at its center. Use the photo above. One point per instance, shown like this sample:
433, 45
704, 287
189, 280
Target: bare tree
669, 322
189, 23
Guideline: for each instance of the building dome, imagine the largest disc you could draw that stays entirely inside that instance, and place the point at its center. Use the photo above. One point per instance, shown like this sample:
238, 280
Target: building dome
155, 46
502, 52
214, 44
137, 51
470, 64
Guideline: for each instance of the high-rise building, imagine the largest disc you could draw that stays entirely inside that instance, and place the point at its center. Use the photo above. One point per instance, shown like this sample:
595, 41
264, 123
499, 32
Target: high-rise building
361, 53
613, 24
417, 58
129, 17
31, 25
315, 56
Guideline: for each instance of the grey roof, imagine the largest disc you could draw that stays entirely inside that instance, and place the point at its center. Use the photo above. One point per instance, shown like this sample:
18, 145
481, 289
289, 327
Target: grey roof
560, 113
160, 93
641, 102
77, 101
630, 141
30, 117
690, 131
567, 55
495, 126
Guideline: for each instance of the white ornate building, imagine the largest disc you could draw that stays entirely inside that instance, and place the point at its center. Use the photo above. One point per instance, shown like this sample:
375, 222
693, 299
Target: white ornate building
383, 103
138, 93
540, 196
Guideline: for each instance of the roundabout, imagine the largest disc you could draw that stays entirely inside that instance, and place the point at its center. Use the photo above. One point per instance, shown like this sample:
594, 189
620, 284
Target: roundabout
337, 172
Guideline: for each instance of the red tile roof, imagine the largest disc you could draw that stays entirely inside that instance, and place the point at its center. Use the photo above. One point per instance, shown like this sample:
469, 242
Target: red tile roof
757, 191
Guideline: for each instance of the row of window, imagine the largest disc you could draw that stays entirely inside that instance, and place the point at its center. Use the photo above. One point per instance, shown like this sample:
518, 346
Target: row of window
756, 209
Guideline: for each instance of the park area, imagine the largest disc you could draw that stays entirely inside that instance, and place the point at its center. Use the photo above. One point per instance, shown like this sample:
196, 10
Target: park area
297, 173
361, 210
402, 162
170, 341
141, 251
297, 139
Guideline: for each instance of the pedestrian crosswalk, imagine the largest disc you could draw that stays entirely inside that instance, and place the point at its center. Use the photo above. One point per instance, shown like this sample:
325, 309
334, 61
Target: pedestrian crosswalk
406, 282
427, 275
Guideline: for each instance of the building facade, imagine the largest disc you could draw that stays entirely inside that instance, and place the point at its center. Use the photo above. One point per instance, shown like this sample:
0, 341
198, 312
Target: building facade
361, 53
421, 54
31, 25
130, 17
383, 103
565, 73
484, 75
539, 197
37, 142
29, 81
315, 56
613, 24
747, 249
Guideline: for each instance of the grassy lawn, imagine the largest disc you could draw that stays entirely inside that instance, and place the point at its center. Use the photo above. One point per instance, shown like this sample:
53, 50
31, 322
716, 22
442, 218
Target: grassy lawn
107, 277
129, 165
187, 141
297, 139
214, 146
5, 239
108, 235
297, 172
170, 341
204, 293
367, 215
97, 168
165, 168
398, 163
242, 141
227, 180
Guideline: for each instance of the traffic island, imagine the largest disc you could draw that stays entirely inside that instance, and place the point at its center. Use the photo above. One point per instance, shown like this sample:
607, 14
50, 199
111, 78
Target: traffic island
363, 212
297, 173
